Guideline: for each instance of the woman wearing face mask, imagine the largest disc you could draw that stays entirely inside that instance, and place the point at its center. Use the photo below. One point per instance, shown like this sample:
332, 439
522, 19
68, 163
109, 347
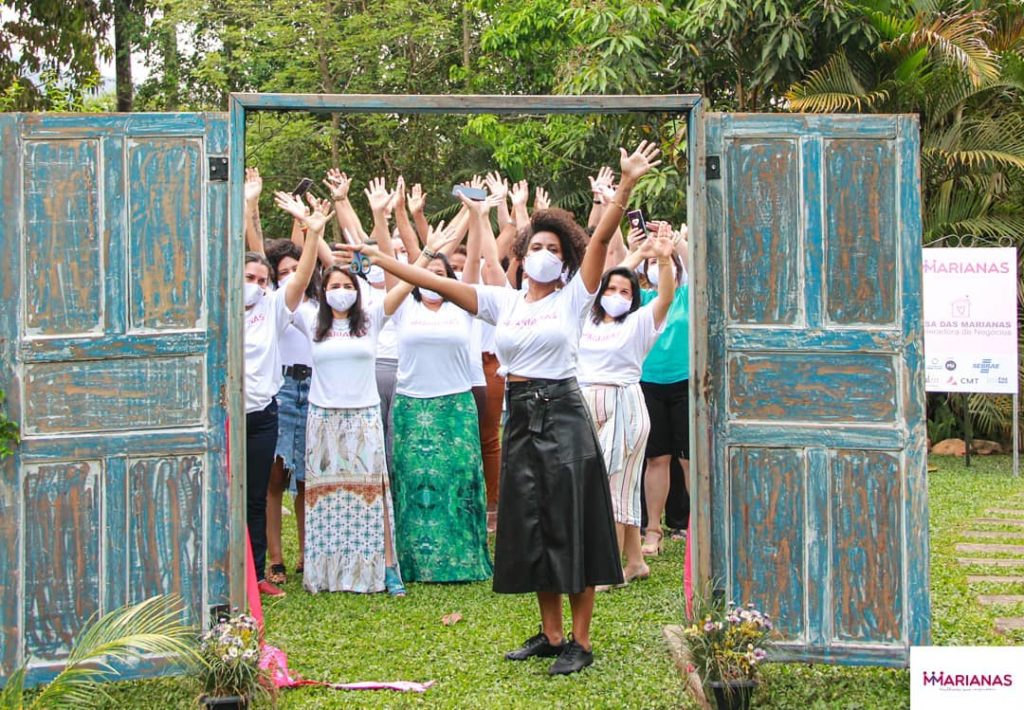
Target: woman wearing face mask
556, 534
665, 384
615, 340
438, 483
293, 403
349, 535
267, 315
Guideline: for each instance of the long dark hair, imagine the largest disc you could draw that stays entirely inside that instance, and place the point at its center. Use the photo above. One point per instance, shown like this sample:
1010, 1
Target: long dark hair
448, 270
325, 315
562, 224
597, 312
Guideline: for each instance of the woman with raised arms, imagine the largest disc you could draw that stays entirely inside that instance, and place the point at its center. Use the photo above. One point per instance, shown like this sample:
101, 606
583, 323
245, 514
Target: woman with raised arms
616, 339
556, 534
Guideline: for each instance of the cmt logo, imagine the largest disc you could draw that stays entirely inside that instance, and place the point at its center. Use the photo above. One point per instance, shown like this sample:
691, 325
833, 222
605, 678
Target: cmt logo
967, 680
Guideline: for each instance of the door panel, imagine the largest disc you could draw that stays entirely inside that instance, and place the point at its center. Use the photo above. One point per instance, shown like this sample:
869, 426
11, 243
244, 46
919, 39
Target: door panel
114, 343
813, 384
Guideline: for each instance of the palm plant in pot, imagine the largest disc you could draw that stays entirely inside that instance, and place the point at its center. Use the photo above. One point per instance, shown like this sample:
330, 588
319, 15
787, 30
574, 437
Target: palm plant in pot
727, 644
230, 673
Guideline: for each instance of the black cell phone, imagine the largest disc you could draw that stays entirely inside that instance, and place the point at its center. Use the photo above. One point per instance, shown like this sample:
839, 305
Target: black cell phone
473, 193
637, 221
303, 187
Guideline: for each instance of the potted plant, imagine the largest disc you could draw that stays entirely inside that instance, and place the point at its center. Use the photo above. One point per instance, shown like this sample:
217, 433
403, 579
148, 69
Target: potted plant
727, 644
230, 672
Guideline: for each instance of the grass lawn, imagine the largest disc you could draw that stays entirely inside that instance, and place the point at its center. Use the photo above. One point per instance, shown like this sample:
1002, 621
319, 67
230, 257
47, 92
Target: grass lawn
343, 637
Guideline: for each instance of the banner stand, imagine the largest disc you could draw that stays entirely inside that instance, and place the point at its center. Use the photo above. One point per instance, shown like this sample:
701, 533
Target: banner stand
1016, 434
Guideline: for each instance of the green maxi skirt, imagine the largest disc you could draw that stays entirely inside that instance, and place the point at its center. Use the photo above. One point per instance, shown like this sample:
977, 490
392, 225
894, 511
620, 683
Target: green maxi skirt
438, 488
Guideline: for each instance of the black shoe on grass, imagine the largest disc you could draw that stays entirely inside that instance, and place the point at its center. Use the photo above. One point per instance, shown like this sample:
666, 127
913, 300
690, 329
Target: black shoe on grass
572, 659
535, 647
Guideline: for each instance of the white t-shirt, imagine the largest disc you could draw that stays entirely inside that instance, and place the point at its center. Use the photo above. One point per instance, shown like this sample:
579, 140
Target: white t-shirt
344, 374
613, 353
434, 349
387, 341
265, 323
294, 344
538, 339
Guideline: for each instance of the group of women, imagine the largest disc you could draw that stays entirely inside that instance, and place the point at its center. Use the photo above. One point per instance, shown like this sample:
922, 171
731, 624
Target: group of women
562, 316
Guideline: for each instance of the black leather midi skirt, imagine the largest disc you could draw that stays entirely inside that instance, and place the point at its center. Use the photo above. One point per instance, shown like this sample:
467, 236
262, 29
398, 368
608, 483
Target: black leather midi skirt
555, 531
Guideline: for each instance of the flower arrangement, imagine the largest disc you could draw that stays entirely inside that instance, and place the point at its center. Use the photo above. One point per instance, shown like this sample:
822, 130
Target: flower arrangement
727, 642
231, 659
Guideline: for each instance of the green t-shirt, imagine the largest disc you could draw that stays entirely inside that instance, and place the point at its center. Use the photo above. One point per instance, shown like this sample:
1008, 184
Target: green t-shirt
669, 359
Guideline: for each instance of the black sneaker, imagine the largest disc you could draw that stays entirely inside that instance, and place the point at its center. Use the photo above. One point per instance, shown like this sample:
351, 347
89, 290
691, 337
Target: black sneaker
536, 646
573, 658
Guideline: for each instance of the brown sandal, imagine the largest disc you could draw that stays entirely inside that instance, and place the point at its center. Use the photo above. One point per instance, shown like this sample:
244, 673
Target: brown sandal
652, 549
277, 575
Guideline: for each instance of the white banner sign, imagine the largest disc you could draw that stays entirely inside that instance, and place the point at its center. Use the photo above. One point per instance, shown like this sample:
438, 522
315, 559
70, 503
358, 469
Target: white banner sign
970, 319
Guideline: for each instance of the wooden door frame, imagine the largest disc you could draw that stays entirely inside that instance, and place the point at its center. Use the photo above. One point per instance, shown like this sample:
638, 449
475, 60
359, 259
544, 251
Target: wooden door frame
239, 104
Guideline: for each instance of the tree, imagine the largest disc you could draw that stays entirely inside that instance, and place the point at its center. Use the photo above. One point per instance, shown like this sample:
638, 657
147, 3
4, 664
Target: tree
62, 38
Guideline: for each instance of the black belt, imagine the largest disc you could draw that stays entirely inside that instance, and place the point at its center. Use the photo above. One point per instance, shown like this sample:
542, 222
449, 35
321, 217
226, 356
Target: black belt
538, 393
298, 372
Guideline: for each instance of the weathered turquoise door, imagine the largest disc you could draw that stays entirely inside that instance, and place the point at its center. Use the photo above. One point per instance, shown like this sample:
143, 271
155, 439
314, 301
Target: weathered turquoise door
811, 389
114, 343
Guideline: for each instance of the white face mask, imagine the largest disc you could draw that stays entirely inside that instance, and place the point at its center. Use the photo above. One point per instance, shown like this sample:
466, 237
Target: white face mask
283, 281
341, 299
458, 275
615, 305
375, 275
542, 266
403, 257
433, 296
652, 269
253, 293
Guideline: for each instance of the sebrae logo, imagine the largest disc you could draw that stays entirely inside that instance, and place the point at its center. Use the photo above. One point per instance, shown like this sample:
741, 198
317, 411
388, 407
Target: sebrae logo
954, 681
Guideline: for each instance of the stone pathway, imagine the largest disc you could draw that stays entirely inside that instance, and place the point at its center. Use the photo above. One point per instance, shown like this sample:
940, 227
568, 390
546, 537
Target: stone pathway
979, 549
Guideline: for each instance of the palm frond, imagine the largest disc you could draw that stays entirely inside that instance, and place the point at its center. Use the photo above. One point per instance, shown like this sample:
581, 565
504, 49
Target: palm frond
151, 627
958, 39
992, 414
978, 144
833, 87
13, 691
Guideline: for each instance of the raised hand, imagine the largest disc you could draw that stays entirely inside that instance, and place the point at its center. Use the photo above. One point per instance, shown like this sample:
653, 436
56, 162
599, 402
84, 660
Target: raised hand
377, 195
496, 185
481, 207
293, 206
399, 193
603, 186
661, 245
636, 238
520, 193
338, 183
636, 164
440, 236
541, 200
477, 182
417, 199
253, 184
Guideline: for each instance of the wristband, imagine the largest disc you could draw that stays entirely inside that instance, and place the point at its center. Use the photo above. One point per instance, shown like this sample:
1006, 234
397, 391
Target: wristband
618, 204
429, 253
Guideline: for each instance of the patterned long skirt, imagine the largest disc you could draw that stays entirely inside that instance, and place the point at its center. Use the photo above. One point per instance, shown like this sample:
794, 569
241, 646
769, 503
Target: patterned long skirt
348, 503
623, 425
440, 498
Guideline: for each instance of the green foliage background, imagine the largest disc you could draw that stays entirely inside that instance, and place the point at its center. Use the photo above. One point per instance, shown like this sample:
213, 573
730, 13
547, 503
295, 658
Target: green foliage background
958, 64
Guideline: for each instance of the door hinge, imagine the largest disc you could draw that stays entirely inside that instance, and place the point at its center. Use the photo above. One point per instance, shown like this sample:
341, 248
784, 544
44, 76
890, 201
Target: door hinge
713, 167
218, 168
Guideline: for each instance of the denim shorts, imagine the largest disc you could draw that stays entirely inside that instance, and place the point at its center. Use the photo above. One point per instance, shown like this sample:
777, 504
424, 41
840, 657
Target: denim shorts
293, 402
